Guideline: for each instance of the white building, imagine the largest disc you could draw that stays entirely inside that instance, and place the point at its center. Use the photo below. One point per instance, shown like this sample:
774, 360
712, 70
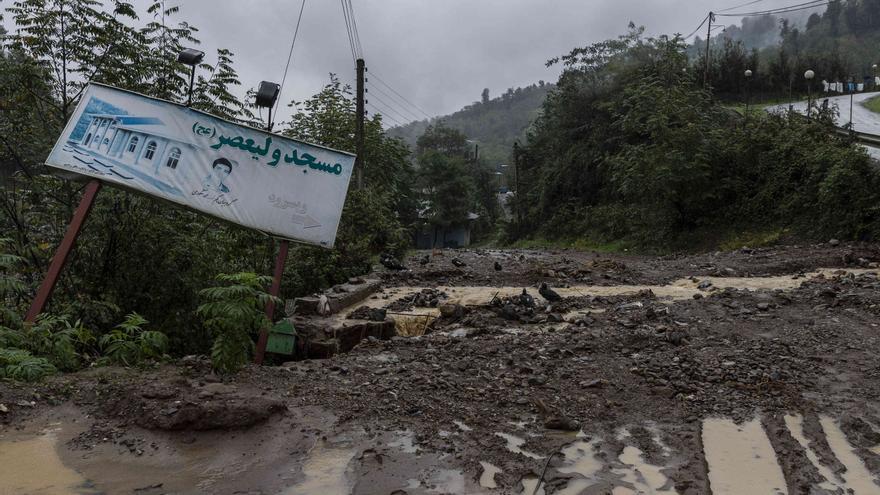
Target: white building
138, 142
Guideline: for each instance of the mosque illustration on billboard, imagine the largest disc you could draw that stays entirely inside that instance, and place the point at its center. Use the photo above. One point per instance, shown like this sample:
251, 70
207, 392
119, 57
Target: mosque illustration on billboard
138, 148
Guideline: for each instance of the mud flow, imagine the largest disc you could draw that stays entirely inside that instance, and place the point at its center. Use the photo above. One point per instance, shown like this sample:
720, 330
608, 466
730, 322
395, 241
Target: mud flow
750, 372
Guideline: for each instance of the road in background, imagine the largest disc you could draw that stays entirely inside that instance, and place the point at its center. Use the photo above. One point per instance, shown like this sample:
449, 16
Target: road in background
863, 120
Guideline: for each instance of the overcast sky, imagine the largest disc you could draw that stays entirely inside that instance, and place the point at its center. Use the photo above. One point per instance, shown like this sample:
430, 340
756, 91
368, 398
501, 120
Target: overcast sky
439, 54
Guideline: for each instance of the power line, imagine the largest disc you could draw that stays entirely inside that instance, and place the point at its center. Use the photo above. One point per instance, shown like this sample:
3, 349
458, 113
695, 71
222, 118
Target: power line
354, 38
384, 115
389, 107
290, 53
357, 35
348, 30
373, 75
781, 10
698, 27
412, 115
753, 2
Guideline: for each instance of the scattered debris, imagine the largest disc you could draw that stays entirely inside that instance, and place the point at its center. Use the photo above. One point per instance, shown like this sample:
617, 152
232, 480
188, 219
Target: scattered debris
548, 293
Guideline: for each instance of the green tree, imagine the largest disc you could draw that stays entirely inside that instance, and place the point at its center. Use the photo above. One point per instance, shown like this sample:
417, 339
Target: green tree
374, 219
73, 39
234, 312
447, 188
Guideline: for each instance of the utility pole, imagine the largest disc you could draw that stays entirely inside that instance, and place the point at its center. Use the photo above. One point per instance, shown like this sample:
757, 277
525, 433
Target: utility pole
359, 126
516, 182
708, 38
852, 90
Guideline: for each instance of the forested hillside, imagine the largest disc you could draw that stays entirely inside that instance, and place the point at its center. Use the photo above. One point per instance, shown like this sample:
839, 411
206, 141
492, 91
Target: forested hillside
631, 148
493, 123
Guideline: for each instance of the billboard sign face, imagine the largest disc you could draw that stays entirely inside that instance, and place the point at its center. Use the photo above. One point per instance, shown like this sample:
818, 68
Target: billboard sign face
259, 180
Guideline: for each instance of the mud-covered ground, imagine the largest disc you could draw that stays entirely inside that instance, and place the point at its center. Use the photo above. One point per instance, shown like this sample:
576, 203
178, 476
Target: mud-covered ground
620, 392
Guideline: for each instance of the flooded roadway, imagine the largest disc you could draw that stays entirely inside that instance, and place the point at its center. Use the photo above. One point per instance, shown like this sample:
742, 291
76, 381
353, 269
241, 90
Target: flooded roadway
740, 459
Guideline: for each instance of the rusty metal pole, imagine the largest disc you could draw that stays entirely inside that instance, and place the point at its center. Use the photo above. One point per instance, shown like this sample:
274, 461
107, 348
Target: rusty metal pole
260, 353
63, 251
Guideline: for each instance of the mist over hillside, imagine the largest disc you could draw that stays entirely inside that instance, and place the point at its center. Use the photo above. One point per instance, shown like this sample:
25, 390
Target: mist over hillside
753, 32
492, 123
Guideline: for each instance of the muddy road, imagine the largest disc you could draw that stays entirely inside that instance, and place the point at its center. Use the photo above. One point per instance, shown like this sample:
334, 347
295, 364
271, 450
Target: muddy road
747, 372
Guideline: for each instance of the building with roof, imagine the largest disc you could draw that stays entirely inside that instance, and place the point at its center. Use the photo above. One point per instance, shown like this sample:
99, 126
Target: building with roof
139, 142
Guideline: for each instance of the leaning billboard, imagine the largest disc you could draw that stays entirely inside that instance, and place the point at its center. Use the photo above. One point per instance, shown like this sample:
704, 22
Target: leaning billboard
264, 181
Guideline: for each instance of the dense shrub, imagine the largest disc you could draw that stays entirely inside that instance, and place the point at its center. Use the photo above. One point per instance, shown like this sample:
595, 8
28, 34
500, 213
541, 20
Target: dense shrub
631, 148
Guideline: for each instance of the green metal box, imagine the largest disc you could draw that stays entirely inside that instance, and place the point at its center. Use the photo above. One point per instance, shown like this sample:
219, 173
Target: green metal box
282, 338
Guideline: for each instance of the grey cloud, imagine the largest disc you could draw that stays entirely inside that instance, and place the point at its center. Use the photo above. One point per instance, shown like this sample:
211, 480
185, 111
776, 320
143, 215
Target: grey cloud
439, 54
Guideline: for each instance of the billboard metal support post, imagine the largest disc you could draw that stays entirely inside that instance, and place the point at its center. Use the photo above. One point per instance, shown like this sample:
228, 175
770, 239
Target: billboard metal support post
270, 308
60, 258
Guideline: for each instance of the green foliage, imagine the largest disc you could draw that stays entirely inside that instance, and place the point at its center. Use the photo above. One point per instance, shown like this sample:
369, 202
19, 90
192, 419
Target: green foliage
16, 364
234, 313
873, 104
54, 343
375, 218
129, 344
453, 181
10, 286
63, 344
137, 253
630, 148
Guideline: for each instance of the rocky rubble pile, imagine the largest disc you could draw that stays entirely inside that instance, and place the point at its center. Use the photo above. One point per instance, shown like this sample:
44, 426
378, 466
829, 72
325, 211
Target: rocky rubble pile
426, 298
728, 375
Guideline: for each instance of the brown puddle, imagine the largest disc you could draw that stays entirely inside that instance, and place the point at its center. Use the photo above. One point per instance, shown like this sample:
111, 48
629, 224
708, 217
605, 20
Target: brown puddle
325, 471
642, 476
31, 464
679, 290
857, 479
795, 425
741, 459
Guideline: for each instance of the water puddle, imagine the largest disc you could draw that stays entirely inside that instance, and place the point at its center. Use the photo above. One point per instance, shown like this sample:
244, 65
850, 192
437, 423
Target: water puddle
446, 481
574, 487
33, 466
412, 325
795, 424
857, 477
529, 484
326, 471
487, 479
413, 322
515, 443
405, 442
580, 459
741, 459
643, 477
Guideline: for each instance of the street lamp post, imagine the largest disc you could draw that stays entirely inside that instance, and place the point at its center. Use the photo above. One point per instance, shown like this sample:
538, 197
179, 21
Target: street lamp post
267, 95
809, 75
748, 74
852, 90
192, 58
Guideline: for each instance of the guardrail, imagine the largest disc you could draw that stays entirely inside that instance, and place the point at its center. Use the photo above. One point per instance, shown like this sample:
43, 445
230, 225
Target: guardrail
865, 138
862, 137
